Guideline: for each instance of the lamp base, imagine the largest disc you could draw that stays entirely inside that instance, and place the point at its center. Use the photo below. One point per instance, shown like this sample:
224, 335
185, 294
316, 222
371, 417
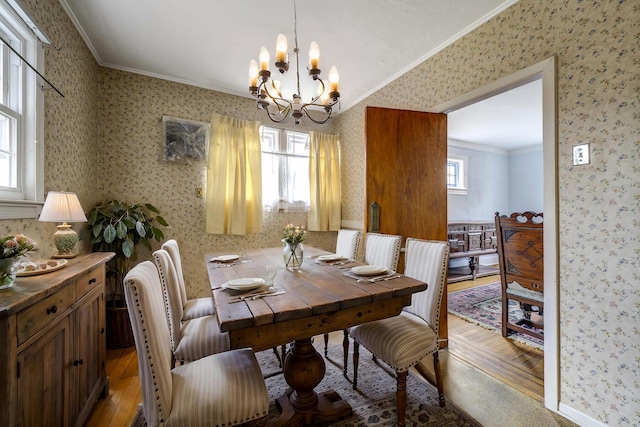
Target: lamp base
66, 256
65, 240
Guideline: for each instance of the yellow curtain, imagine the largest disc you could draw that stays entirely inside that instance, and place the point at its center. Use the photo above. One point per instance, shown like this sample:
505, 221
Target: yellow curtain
324, 180
234, 177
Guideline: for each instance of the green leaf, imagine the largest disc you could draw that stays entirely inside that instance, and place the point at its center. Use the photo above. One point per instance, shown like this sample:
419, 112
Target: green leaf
152, 208
109, 233
130, 223
127, 248
121, 230
97, 230
158, 234
140, 229
162, 221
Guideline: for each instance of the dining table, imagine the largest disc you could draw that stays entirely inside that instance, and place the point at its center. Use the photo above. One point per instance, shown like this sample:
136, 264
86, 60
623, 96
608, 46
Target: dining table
320, 297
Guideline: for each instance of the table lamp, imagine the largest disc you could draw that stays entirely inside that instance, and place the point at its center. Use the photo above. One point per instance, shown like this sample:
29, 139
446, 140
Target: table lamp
62, 206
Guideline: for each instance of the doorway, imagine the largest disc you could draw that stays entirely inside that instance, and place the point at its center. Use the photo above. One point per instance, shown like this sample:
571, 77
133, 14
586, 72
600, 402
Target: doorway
546, 72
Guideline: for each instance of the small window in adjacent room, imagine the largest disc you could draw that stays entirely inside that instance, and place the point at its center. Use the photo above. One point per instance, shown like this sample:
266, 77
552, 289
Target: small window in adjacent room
285, 169
457, 175
21, 116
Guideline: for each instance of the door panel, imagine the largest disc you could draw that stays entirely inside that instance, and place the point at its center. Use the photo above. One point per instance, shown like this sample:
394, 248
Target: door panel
406, 159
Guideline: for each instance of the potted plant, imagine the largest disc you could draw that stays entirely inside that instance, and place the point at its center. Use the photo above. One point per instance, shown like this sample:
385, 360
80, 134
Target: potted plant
120, 227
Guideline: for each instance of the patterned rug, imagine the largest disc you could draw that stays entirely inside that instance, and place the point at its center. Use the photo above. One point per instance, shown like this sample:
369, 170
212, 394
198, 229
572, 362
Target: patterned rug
374, 402
483, 305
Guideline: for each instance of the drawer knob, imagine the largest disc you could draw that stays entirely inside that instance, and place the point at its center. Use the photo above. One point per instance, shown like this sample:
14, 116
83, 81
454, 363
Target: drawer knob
78, 362
92, 280
102, 330
52, 310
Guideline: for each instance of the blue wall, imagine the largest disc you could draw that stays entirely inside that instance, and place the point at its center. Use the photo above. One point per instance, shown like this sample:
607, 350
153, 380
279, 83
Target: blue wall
526, 180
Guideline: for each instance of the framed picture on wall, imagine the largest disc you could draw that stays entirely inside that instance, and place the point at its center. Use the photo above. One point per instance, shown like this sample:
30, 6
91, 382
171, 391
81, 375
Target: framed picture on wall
184, 141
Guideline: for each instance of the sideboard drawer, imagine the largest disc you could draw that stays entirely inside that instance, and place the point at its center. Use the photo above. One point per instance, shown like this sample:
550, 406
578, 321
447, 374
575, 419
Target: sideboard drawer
89, 281
32, 319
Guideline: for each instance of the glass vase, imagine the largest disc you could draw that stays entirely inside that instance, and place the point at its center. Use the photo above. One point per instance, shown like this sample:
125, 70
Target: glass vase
292, 254
8, 269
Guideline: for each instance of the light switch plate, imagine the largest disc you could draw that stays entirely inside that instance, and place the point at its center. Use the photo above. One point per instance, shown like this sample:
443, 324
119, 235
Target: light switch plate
581, 154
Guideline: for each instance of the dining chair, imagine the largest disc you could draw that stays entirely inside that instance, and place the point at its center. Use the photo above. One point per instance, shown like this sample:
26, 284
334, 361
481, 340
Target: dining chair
190, 339
521, 260
382, 250
191, 308
222, 389
404, 340
348, 243
348, 246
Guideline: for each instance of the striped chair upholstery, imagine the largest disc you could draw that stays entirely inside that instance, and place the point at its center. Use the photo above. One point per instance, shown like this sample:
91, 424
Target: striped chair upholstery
224, 389
404, 340
348, 246
191, 308
382, 250
348, 243
190, 339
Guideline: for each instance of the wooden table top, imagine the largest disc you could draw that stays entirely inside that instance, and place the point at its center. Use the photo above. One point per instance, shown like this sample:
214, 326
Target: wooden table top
318, 298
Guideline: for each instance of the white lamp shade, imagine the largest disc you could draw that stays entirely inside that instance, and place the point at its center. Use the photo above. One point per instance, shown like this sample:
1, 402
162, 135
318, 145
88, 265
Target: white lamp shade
62, 206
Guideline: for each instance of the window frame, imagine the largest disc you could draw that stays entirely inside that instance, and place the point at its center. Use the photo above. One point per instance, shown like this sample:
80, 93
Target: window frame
282, 138
26, 199
462, 168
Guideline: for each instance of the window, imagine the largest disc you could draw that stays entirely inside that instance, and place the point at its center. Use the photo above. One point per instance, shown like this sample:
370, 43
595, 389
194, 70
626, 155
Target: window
285, 169
21, 116
456, 175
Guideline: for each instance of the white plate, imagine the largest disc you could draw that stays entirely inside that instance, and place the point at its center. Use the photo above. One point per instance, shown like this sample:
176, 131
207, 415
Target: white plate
368, 270
225, 258
329, 258
245, 284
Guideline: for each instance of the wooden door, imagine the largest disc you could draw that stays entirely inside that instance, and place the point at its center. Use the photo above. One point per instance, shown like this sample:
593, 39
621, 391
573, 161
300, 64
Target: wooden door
406, 159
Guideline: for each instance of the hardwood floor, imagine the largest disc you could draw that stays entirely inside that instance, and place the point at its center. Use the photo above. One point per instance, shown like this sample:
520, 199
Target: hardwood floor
517, 365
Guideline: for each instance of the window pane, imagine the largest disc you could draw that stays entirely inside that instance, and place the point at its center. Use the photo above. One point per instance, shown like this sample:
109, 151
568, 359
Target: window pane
8, 152
452, 174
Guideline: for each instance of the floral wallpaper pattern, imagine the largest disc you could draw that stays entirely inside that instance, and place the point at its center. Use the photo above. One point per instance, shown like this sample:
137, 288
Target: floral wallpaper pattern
596, 43
103, 139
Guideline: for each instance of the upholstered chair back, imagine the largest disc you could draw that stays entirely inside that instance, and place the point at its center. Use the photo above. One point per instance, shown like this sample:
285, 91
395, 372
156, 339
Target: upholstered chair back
171, 291
143, 293
382, 250
427, 261
348, 243
171, 246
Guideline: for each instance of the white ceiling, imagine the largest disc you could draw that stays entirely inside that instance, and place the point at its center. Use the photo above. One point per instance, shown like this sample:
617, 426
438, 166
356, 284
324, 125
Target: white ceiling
210, 43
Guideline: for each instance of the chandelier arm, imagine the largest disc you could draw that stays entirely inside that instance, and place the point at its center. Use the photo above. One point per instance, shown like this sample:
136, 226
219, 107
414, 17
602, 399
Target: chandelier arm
327, 112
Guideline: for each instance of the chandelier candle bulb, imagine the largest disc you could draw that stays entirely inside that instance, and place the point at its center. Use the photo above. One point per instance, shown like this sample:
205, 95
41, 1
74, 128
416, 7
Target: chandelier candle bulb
253, 74
314, 56
334, 78
281, 48
264, 59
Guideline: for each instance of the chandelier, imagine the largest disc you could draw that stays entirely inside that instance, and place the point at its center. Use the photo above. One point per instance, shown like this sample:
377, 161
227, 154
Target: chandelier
267, 92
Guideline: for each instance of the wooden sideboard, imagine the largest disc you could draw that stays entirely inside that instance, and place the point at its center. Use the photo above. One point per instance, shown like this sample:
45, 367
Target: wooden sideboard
52, 345
471, 239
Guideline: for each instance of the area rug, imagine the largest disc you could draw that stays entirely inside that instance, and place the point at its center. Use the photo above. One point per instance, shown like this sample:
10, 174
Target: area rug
483, 305
374, 402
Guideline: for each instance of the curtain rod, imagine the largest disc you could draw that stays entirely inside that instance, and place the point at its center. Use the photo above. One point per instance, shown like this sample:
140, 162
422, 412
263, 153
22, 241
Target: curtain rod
32, 67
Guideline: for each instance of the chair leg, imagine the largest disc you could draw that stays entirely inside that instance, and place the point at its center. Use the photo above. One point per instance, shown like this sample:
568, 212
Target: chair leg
401, 397
326, 344
439, 385
345, 349
356, 359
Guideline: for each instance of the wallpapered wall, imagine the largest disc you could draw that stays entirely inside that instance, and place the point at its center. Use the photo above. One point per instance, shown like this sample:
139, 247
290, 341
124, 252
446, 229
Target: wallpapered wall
71, 122
131, 108
597, 47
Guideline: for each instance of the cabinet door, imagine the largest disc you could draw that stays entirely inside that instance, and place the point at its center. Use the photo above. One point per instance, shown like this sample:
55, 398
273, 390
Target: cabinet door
89, 354
44, 378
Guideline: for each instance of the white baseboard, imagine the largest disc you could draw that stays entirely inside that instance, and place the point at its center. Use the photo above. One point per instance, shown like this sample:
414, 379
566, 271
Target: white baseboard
578, 417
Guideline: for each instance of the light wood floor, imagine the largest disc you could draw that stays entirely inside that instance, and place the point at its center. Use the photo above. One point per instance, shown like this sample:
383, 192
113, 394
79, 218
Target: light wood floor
515, 364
